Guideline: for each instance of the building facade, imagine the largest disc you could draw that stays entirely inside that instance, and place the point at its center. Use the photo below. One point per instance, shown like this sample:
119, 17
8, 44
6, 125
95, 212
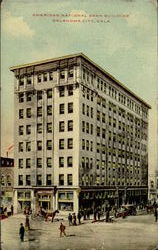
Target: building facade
153, 187
7, 181
81, 137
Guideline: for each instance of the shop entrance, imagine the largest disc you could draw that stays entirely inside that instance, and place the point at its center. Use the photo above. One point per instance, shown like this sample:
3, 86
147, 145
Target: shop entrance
45, 204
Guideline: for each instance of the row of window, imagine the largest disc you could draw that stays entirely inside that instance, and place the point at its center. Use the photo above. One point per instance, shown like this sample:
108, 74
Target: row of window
38, 182
48, 127
111, 91
39, 162
87, 145
62, 90
29, 95
48, 145
39, 179
43, 77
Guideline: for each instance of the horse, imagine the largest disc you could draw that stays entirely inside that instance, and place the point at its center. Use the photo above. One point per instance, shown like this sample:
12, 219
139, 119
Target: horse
51, 214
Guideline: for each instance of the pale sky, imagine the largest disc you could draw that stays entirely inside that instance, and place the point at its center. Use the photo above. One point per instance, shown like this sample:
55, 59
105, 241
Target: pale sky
124, 46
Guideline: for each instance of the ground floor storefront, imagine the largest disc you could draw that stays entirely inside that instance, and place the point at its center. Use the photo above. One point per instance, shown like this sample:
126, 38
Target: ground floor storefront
69, 200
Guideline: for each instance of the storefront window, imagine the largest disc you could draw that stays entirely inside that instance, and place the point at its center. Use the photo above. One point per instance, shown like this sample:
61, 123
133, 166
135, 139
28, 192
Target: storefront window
65, 206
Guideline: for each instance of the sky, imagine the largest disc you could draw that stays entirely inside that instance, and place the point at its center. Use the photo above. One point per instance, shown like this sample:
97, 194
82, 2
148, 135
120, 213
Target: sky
123, 41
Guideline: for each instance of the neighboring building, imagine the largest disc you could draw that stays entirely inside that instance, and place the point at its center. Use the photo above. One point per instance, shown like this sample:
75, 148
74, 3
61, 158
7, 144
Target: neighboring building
153, 187
7, 181
81, 136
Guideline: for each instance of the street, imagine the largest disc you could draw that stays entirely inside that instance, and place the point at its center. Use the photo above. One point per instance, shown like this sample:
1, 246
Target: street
132, 233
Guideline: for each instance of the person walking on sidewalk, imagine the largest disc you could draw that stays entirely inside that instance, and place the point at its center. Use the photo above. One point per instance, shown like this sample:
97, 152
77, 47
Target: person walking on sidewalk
62, 229
21, 232
70, 219
155, 213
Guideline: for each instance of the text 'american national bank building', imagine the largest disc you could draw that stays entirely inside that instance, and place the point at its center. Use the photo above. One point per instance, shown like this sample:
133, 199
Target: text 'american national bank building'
81, 137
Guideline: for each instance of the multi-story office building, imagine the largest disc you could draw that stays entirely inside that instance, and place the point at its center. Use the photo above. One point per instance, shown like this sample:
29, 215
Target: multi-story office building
81, 136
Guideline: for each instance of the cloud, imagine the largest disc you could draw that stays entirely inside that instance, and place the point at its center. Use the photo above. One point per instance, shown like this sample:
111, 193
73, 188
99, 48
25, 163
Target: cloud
16, 26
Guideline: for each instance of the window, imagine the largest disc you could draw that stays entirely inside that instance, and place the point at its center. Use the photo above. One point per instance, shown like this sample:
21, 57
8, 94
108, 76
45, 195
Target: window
21, 97
69, 161
49, 93
28, 180
39, 162
29, 80
39, 145
28, 97
21, 81
49, 179
91, 146
39, 78
39, 111
87, 145
39, 95
70, 125
21, 147
91, 129
28, 112
49, 162
20, 163
49, 144
50, 76
83, 144
70, 73
39, 128
61, 91
83, 162
83, 108
28, 146
62, 75
21, 130
49, 110
28, 163
45, 76
28, 129
91, 112
2, 180
70, 90
61, 162
49, 127
61, 126
70, 143
61, 143
21, 113
20, 180
87, 127
39, 179
70, 107
98, 115
61, 108
69, 179
98, 131
61, 179
103, 117
87, 110
83, 126
9, 180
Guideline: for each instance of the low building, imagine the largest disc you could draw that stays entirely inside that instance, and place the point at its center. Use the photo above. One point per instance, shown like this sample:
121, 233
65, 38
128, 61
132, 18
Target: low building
7, 181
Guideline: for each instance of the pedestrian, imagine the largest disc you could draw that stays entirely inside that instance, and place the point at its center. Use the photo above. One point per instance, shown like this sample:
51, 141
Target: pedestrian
155, 214
79, 217
12, 209
99, 214
74, 219
70, 219
21, 232
107, 215
62, 229
27, 223
84, 214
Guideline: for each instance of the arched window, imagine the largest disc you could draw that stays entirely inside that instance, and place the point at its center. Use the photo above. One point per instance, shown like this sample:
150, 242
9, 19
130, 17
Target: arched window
9, 180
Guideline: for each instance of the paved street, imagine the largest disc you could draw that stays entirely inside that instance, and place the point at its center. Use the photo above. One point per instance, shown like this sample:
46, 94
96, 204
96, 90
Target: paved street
131, 233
